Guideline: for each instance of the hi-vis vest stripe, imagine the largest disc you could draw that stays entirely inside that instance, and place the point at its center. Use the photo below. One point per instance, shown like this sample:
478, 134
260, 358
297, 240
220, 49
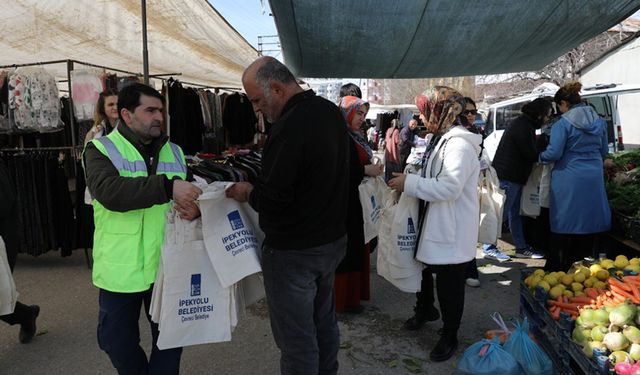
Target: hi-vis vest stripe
126, 249
139, 165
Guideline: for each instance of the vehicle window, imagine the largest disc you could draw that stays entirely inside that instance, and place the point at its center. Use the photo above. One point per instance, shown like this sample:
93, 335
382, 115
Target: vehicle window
488, 129
602, 105
507, 113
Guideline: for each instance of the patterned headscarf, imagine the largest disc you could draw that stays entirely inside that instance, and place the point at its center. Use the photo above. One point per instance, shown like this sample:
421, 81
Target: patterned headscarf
348, 106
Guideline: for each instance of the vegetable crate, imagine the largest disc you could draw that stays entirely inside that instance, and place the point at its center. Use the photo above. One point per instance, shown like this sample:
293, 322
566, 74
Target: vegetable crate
555, 337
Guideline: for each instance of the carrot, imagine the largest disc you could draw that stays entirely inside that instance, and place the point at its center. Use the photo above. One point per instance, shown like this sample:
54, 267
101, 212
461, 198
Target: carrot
610, 303
564, 305
624, 294
581, 300
631, 278
555, 314
634, 290
615, 282
591, 292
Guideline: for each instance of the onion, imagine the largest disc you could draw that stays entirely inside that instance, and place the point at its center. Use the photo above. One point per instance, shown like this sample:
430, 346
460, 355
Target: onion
634, 351
586, 318
623, 314
615, 341
632, 334
598, 332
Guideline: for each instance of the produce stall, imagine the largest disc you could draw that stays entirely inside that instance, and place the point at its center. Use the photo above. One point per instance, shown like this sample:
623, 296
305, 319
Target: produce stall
623, 190
587, 318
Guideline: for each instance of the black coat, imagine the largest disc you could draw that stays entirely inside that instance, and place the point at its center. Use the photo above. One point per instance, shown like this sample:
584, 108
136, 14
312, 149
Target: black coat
353, 261
8, 214
517, 151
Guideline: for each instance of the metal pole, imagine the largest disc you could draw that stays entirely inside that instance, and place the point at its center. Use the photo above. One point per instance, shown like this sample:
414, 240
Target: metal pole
145, 52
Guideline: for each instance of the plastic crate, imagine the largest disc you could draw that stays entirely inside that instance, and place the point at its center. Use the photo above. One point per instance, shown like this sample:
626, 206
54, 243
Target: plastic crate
634, 230
555, 337
621, 224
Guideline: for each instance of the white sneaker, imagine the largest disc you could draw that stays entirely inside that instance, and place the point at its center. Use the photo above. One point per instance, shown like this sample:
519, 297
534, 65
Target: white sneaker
473, 282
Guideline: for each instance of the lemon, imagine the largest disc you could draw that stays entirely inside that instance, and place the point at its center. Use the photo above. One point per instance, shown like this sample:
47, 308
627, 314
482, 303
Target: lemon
599, 285
566, 280
588, 283
579, 294
539, 272
606, 264
559, 274
579, 277
552, 280
621, 262
595, 268
544, 285
634, 261
567, 293
577, 287
602, 275
556, 291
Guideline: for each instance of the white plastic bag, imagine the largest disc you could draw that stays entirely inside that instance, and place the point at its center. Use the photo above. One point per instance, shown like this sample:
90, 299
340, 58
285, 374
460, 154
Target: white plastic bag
530, 201
230, 237
372, 190
545, 185
8, 292
404, 234
194, 307
491, 202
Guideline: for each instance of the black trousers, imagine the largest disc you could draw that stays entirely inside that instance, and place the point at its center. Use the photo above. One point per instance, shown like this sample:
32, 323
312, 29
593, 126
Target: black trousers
450, 285
565, 249
119, 335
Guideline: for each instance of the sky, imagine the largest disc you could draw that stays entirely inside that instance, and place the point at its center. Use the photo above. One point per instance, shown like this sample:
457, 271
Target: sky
250, 18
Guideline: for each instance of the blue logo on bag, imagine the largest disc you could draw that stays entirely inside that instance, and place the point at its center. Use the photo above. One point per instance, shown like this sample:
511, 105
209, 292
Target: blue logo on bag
410, 228
195, 284
373, 201
235, 220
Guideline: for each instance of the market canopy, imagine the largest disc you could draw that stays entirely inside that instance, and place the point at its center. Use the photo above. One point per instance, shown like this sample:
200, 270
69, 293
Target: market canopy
184, 36
436, 38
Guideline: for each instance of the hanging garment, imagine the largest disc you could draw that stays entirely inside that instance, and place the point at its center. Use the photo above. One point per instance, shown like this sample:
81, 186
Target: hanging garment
86, 86
33, 96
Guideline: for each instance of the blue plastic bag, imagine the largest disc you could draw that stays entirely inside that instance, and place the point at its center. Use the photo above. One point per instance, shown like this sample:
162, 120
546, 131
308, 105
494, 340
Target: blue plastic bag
486, 357
531, 358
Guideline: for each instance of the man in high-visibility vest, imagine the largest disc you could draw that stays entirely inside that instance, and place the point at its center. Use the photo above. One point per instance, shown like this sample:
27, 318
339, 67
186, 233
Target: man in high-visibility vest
133, 174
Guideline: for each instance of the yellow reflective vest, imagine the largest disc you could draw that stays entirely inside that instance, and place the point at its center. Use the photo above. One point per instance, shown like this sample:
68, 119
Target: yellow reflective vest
126, 245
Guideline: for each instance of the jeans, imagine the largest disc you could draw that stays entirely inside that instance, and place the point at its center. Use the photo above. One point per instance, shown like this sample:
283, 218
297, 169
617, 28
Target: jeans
119, 335
450, 284
299, 289
511, 212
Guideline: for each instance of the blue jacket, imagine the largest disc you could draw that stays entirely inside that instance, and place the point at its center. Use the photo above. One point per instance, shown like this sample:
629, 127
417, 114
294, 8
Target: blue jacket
578, 200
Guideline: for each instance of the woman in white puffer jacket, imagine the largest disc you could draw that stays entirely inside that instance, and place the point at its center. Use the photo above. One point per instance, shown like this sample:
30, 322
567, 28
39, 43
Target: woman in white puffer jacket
449, 227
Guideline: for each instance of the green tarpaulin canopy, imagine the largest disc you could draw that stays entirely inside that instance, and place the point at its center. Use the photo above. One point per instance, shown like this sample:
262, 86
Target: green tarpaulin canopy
436, 38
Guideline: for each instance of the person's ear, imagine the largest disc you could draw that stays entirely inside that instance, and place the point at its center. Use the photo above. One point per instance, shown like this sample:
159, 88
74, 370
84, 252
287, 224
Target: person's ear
276, 88
126, 115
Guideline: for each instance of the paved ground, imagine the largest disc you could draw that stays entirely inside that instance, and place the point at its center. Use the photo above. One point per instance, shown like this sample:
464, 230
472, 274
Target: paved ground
372, 343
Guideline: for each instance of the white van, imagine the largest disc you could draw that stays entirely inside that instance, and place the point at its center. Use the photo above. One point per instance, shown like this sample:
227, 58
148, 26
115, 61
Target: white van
604, 98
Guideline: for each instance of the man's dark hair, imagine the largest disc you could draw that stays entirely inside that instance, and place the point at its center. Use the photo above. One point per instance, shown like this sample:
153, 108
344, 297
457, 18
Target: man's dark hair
273, 70
350, 89
129, 96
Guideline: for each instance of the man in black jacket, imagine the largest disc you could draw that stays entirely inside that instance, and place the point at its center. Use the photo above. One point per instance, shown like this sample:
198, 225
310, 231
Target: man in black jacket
22, 314
301, 197
513, 162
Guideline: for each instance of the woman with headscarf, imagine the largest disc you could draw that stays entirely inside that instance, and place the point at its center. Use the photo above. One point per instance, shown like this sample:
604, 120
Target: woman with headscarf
578, 205
448, 231
352, 276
